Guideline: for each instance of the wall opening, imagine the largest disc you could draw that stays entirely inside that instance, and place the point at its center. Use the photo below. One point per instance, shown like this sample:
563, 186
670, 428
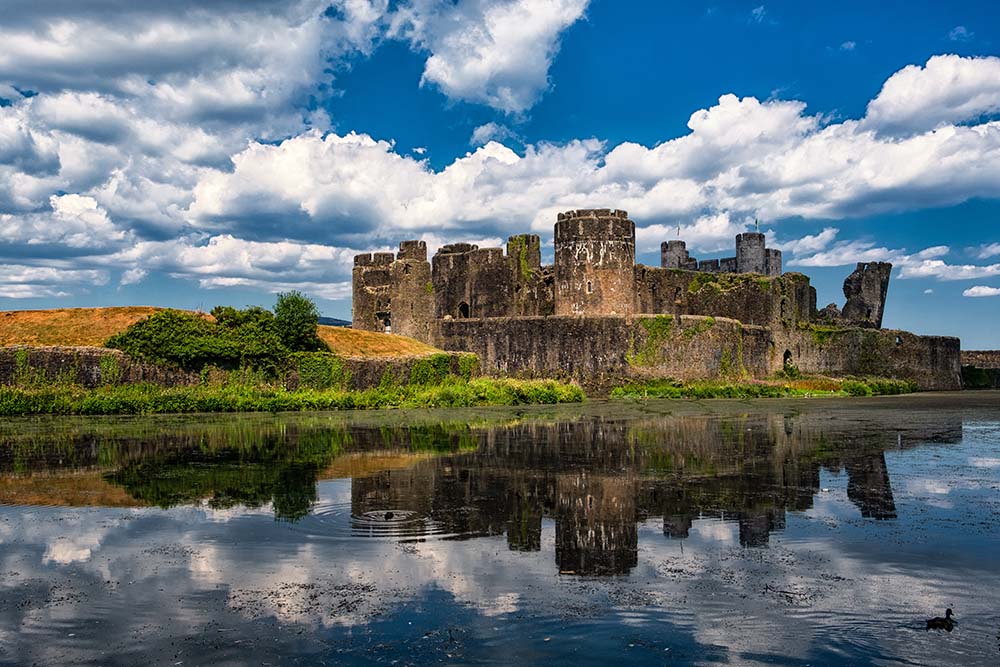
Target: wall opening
899, 340
590, 287
786, 360
387, 325
463, 310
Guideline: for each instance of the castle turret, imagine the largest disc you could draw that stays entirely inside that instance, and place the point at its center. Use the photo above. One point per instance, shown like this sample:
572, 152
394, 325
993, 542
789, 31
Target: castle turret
371, 282
411, 292
751, 256
773, 262
594, 262
674, 255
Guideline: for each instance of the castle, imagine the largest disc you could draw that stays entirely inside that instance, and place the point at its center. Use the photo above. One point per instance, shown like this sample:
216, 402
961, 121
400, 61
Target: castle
597, 316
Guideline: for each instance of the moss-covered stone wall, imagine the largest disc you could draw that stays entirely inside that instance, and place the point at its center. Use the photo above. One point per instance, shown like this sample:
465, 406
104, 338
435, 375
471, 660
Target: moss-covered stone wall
601, 351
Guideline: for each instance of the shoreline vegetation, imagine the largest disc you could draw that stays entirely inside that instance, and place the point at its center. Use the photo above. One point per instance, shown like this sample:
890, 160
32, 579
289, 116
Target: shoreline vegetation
258, 360
802, 387
152, 399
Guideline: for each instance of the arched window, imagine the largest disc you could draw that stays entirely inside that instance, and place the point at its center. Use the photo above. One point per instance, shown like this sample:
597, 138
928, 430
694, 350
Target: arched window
590, 287
463, 310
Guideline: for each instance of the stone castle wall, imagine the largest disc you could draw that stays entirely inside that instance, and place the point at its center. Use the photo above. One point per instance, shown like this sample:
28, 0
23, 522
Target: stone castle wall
981, 369
981, 358
930, 361
469, 281
599, 352
749, 298
577, 318
85, 366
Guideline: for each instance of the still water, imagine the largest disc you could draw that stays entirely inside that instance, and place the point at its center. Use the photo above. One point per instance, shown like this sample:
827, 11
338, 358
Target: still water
806, 532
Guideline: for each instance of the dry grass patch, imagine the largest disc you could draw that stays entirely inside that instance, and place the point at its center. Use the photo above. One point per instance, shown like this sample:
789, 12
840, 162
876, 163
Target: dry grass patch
354, 343
68, 326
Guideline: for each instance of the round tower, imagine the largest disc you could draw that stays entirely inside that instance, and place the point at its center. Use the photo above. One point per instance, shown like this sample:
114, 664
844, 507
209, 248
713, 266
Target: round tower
750, 253
594, 263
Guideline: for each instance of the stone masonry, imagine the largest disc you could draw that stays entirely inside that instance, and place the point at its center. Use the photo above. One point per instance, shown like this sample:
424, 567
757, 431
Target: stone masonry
497, 301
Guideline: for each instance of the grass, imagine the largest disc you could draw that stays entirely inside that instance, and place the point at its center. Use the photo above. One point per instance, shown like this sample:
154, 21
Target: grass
68, 326
805, 387
152, 399
355, 343
94, 326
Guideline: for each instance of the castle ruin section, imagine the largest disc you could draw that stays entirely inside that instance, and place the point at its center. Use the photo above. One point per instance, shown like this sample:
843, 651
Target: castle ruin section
411, 290
752, 256
865, 290
594, 262
371, 282
750, 298
597, 317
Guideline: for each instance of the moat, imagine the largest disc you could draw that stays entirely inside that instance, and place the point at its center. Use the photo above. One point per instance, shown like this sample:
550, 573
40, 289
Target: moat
788, 532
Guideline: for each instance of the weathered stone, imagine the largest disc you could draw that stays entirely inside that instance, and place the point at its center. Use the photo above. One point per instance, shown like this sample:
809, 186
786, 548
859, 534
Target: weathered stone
85, 366
865, 290
578, 318
594, 263
830, 313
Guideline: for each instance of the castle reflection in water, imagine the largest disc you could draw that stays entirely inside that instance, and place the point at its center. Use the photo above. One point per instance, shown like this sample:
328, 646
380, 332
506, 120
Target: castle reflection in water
597, 480
595, 477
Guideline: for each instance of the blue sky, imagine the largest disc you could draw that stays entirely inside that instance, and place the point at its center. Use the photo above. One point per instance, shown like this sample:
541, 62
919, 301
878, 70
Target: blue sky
189, 157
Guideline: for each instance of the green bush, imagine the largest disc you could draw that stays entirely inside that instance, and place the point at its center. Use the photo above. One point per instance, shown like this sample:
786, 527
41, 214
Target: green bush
295, 319
181, 339
855, 388
253, 338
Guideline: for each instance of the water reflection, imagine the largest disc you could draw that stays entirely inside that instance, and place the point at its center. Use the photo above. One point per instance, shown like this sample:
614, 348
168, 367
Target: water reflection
596, 476
792, 532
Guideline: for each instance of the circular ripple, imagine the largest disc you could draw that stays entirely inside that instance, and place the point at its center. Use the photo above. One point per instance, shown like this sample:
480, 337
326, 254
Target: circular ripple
336, 521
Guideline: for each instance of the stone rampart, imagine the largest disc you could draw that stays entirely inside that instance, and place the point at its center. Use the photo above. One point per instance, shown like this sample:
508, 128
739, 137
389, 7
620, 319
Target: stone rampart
599, 352
933, 362
85, 366
981, 358
981, 369
369, 372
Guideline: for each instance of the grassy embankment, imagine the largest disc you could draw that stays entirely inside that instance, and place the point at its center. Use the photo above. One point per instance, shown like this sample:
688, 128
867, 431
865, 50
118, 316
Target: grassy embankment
94, 326
323, 379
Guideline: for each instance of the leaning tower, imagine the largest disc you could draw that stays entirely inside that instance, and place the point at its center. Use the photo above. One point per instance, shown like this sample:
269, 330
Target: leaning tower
594, 263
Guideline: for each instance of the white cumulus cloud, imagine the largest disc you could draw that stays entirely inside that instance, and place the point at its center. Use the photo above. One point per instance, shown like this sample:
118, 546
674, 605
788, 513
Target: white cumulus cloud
495, 53
982, 290
947, 89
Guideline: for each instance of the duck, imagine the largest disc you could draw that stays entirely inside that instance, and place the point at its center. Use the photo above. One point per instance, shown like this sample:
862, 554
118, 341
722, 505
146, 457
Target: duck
946, 623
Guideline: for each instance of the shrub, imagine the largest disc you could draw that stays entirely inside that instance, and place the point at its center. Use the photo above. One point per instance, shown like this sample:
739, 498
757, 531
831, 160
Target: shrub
855, 388
296, 318
182, 339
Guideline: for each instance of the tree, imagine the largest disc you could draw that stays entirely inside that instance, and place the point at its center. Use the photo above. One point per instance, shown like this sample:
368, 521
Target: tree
295, 319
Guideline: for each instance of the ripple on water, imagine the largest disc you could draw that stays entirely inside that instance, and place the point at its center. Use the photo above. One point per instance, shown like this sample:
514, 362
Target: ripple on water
335, 520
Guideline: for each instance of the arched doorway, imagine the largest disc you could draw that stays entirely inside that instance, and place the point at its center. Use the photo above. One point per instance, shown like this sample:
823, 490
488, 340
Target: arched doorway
463, 310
